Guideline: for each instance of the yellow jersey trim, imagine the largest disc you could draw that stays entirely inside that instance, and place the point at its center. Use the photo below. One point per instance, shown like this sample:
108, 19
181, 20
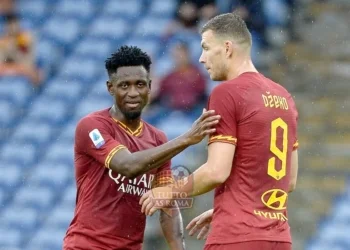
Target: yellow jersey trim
223, 138
112, 153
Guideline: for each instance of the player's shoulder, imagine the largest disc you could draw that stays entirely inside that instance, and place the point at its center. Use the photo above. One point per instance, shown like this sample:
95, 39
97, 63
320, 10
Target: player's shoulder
98, 117
156, 133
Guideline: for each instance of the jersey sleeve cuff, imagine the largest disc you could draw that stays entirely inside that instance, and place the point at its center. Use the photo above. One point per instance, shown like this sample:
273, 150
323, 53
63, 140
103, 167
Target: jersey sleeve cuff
223, 138
112, 153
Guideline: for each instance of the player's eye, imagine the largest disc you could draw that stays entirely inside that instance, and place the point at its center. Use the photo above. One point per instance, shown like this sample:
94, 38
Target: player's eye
124, 85
141, 84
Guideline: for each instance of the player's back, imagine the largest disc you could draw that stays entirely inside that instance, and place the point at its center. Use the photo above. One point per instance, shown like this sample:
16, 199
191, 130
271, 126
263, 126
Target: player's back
251, 204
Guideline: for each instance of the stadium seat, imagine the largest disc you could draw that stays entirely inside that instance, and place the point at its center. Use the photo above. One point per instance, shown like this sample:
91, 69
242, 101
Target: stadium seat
10, 238
10, 177
19, 218
126, 9
23, 154
28, 132
162, 8
62, 30
16, 89
82, 9
34, 11
42, 110
175, 124
81, 69
91, 104
69, 196
149, 45
60, 152
69, 90
34, 197
6, 113
68, 133
93, 48
55, 176
48, 238
163, 65
109, 27
60, 217
147, 28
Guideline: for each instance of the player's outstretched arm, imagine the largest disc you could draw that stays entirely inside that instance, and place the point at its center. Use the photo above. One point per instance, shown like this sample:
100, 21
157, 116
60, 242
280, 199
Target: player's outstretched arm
294, 172
137, 163
172, 227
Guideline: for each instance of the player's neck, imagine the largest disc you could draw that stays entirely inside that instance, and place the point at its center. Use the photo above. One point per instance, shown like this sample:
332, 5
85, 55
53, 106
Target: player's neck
239, 67
118, 115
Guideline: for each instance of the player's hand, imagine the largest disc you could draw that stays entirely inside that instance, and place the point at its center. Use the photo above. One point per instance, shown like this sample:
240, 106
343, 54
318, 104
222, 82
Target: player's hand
203, 126
202, 223
156, 198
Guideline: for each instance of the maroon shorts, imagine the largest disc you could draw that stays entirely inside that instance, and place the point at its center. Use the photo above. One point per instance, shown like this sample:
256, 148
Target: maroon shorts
251, 245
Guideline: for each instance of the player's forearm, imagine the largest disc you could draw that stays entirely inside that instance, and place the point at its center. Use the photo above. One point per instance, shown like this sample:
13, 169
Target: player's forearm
140, 162
172, 226
203, 180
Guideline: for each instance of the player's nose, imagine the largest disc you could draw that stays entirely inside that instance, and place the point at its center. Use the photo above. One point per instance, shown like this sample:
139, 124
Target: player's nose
201, 58
133, 92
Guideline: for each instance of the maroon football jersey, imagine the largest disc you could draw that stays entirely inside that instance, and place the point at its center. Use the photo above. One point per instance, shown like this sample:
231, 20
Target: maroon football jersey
259, 117
107, 213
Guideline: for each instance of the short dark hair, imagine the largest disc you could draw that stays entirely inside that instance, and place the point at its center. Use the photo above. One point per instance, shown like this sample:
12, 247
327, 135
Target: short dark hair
127, 56
231, 25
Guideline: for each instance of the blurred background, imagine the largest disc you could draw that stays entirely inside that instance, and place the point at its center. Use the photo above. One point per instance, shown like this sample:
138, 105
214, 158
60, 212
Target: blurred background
52, 73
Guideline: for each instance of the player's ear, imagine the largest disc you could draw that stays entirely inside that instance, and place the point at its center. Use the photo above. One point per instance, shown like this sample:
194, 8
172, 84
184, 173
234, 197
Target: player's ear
109, 87
149, 85
229, 48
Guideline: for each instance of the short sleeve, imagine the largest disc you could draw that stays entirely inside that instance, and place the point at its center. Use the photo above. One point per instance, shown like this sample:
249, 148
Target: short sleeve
164, 175
94, 138
224, 105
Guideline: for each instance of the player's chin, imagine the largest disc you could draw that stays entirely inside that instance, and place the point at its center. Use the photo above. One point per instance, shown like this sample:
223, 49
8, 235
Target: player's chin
132, 114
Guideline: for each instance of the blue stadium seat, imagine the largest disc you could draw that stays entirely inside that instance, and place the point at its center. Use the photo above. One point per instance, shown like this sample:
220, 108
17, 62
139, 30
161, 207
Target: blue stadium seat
60, 217
56, 176
7, 113
120, 8
42, 110
23, 154
151, 46
92, 104
147, 28
163, 65
60, 152
175, 124
10, 177
48, 238
81, 69
34, 197
34, 10
162, 8
69, 196
9, 238
33, 131
69, 90
2, 196
99, 89
68, 133
62, 30
15, 89
93, 48
82, 9
109, 27
49, 55
19, 218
